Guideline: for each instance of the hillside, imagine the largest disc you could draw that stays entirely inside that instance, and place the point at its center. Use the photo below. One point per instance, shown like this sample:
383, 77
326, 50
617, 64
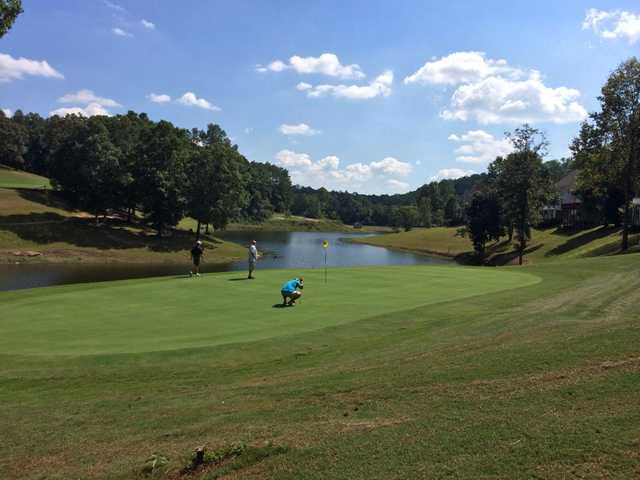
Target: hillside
548, 244
37, 226
10, 178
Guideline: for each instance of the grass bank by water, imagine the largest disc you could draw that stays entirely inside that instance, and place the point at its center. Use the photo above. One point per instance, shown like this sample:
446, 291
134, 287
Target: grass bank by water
546, 244
36, 226
10, 178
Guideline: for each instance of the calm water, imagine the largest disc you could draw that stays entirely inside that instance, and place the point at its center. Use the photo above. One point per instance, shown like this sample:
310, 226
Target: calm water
281, 250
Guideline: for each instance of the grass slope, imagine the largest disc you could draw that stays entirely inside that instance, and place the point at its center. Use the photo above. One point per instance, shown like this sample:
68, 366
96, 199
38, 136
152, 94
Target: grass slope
182, 312
41, 222
540, 381
10, 178
546, 244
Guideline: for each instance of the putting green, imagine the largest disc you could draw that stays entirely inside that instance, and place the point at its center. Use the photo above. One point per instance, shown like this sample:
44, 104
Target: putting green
174, 313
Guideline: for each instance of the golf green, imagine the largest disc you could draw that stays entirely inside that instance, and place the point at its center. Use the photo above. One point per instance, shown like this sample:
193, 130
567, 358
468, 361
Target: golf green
181, 312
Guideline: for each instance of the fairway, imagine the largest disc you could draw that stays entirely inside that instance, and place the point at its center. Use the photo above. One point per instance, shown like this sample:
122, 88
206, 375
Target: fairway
182, 312
19, 179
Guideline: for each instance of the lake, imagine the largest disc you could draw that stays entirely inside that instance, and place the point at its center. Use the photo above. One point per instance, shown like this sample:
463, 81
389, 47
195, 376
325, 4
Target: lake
280, 250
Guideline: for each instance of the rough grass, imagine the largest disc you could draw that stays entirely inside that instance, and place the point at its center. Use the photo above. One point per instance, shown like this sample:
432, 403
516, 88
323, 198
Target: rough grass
41, 222
540, 381
10, 178
547, 244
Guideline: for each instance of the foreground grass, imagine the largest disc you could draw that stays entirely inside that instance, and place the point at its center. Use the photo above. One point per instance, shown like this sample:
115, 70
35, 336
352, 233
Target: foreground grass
10, 178
540, 381
546, 244
39, 222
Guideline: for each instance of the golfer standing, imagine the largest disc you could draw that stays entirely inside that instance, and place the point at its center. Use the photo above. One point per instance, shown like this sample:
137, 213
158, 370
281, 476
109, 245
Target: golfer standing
196, 252
253, 258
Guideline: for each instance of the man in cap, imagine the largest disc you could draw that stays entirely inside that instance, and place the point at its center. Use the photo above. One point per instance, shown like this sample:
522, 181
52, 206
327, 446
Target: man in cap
196, 252
291, 290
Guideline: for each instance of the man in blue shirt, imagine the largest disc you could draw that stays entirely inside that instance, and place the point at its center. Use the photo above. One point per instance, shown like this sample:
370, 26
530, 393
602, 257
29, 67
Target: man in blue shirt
291, 290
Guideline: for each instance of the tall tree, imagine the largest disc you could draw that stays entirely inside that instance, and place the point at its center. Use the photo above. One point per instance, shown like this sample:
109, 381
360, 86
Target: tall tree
608, 146
161, 174
9, 10
483, 220
13, 142
523, 183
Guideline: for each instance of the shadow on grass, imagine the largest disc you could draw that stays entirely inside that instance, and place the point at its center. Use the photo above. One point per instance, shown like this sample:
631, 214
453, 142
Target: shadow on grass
51, 227
238, 279
581, 240
281, 305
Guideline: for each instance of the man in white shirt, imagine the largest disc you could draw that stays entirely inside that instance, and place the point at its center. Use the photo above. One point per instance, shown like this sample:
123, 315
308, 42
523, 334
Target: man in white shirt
253, 258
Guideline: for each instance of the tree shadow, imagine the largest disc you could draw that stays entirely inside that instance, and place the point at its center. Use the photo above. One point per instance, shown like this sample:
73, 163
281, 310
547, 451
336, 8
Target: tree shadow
580, 240
510, 257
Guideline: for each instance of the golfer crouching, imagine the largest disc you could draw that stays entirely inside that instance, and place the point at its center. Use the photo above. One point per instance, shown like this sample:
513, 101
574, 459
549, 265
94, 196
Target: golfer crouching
291, 290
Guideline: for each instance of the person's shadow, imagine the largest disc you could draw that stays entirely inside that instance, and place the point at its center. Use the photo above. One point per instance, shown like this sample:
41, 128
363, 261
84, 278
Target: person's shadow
238, 279
281, 305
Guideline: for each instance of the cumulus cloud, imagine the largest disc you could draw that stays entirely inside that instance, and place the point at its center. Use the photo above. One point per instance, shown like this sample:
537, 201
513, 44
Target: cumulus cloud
380, 86
159, 98
326, 64
7, 112
88, 111
491, 91
451, 174
461, 67
397, 186
373, 177
17, 68
299, 129
86, 97
613, 24
191, 100
120, 32
147, 24
479, 147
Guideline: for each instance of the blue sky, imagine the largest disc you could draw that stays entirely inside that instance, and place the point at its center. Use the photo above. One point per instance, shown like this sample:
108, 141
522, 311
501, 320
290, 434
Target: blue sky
372, 96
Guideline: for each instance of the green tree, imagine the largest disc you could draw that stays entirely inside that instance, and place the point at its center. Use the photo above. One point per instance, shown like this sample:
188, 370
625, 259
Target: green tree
424, 211
408, 217
13, 142
161, 174
483, 221
9, 11
607, 149
523, 184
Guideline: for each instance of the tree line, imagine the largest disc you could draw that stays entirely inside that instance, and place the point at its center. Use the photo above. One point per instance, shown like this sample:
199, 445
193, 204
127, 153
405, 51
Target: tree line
128, 163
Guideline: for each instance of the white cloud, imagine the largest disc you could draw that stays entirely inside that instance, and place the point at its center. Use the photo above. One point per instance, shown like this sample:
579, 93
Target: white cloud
326, 64
114, 6
17, 68
613, 24
373, 177
397, 186
159, 98
451, 174
190, 99
501, 100
248, 131
381, 86
86, 97
392, 166
300, 129
480, 147
303, 86
461, 67
147, 24
491, 91
120, 32
418, 162
89, 111
7, 112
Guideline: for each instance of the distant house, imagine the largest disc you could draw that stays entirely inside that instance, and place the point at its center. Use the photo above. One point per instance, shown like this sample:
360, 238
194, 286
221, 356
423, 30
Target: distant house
566, 209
